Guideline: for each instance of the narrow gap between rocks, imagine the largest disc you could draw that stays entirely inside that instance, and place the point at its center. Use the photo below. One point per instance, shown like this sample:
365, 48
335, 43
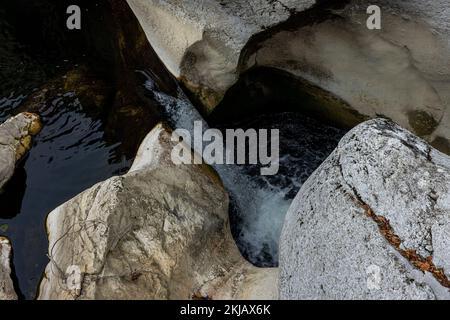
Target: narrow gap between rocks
267, 98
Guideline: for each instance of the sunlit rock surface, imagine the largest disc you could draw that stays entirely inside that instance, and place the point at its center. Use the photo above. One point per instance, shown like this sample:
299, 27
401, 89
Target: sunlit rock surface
159, 232
373, 222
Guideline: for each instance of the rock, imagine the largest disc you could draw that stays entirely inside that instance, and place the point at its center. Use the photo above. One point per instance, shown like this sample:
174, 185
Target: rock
200, 41
372, 222
112, 47
7, 291
160, 231
400, 72
15, 141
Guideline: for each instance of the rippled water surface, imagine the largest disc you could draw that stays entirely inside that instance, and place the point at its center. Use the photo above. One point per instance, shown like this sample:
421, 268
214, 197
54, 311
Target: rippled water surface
69, 155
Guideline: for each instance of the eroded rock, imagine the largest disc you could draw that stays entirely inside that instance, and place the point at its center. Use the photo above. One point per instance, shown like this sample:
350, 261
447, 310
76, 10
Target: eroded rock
159, 232
373, 222
200, 41
400, 72
15, 141
7, 291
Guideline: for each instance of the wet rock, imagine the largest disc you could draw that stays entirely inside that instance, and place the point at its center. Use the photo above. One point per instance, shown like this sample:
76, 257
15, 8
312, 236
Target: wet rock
15, 141
7, 291
373, 222
160, 231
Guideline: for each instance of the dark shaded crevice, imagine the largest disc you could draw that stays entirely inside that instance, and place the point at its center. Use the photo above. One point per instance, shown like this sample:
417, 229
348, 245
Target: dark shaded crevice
12, 194
269, 98
321, 104
320, 12
419, 262
266, 90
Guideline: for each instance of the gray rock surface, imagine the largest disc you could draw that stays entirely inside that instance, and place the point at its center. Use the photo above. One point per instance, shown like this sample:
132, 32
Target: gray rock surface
160, 231
372, 222
401, 71
6, 285
200, 41
15, 141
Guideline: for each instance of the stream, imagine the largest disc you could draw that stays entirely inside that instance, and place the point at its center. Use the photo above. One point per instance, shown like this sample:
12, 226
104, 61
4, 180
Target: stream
79, 146
259, 203
69, 155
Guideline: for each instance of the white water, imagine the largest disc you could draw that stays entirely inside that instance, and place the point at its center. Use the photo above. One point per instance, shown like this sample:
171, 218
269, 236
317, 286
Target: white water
259, 202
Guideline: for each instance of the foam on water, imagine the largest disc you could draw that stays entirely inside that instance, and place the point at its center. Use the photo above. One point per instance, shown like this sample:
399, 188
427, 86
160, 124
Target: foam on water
259, 203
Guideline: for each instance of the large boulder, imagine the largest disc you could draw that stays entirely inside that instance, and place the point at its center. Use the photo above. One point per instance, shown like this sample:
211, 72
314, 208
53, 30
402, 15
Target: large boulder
6, 285
160, 231
15, 141
200, 41
373, 222
401, 71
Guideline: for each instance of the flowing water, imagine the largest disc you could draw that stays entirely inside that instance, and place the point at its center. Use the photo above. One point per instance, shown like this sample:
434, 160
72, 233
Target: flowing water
259, 203
74, 151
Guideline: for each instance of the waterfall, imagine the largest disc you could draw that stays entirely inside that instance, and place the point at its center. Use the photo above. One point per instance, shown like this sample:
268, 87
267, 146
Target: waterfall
259, 203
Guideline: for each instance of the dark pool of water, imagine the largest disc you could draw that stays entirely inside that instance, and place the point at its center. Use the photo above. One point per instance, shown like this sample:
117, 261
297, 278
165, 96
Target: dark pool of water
273, 99
69, 155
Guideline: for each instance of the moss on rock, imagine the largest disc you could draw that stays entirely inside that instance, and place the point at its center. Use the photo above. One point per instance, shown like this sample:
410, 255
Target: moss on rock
422, 122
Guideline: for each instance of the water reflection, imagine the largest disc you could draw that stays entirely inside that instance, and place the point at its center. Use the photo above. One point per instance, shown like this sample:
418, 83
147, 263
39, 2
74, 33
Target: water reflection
68, 156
